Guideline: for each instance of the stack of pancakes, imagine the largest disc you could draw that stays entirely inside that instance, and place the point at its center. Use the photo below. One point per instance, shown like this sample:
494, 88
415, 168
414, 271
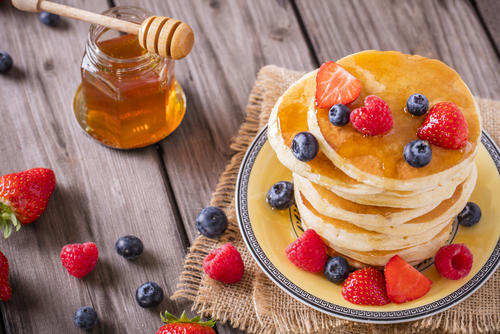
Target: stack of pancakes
359, 194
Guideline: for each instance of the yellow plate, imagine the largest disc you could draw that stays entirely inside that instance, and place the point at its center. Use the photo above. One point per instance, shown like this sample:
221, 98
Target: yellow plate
267, 232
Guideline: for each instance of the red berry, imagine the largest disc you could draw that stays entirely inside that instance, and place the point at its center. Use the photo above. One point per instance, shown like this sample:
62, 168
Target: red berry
403, 282
224, 264
453, 261
79, 259
184, 325
445, 126
374, 118
5, 291
335, 85
365, 286
308, 252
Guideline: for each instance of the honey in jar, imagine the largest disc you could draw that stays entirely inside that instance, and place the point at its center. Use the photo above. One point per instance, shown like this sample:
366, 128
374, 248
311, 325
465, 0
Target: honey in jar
128, 98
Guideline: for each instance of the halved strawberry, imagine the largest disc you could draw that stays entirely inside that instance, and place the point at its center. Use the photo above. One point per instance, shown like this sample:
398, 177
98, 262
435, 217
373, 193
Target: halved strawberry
365, 286
403, 282
335, 85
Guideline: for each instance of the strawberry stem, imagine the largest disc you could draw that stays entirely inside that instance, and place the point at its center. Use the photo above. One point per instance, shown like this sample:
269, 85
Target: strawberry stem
183, 319
8, 220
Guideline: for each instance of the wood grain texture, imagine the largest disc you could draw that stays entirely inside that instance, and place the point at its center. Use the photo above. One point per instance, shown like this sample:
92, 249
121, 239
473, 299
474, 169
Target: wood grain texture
489, 10
101, 193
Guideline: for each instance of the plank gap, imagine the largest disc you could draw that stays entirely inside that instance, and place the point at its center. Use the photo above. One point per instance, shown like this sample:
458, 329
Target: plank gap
485, 27
305, 33
111, 3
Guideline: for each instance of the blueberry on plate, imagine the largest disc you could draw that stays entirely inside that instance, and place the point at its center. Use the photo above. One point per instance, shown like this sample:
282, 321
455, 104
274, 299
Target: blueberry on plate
339, 115
305, 146
336, 269
470, 215
52, 20
417, 104
129, 246
280, 196
418, 153
85, 317
149, 295
5, 62
211, 222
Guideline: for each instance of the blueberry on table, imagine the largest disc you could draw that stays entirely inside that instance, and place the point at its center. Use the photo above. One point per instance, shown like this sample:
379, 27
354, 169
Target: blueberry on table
85, 317
336, 269
149, 295
129, 246
417, 104
418, 153
5, 62
211, 222
52, 20
280, 196
339, 115
305, 146
470, 215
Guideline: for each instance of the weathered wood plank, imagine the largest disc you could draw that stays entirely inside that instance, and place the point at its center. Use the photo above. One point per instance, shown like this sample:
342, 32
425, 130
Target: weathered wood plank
489, 10
447, 30
101, 193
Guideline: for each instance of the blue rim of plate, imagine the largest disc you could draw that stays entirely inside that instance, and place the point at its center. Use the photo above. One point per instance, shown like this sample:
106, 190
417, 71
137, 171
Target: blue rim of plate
324, 306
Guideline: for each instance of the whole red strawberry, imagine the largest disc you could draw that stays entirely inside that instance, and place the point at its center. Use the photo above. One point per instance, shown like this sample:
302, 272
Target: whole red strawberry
5, 292
308, 252
184, 325
79, 259
374, 118
365, 286
24, 197
224, 264
445, 126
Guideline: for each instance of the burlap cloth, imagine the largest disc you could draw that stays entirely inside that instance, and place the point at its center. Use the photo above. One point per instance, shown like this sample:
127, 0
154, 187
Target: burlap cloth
257, 305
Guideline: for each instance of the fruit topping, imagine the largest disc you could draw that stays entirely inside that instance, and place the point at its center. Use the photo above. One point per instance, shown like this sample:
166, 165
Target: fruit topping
418, 153
211, 222
335, 85
224, 264
85, 318
339, 114
374, 118
470, 215
5, 292
79, 259
308, 252
280, 196
129, 246
336, 269
52, 20
149, 294
403, 282
305, 146
365, 286
185, 325
445, 126
453, 261
5, 62
417, 104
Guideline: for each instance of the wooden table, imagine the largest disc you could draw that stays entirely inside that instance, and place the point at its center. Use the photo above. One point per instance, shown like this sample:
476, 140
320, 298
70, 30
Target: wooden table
156, 192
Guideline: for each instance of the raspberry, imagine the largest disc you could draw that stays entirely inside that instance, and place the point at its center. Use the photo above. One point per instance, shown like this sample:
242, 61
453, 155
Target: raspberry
79, 259
224, 264
374, 118
453, 261
308, 252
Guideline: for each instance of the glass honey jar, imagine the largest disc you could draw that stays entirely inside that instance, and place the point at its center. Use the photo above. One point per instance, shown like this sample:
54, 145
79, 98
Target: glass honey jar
128, 97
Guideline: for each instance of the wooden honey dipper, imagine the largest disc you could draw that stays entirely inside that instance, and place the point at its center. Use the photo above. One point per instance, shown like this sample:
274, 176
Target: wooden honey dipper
161, 35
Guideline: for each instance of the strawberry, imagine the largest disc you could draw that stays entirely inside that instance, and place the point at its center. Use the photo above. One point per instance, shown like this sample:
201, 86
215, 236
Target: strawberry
445, 126
335, 85
365, 286
79, 259
374, 118
184, 325
308, 252
403, 282
24, 197
4, 279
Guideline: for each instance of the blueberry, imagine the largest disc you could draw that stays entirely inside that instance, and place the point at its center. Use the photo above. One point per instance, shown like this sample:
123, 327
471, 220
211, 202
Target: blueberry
470, 215
339, 115
305, 146
280, 196
5, 62
129, 246
50, 19
417, 104
85, 317
336, 269
418, 153
211, 222
149, 295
